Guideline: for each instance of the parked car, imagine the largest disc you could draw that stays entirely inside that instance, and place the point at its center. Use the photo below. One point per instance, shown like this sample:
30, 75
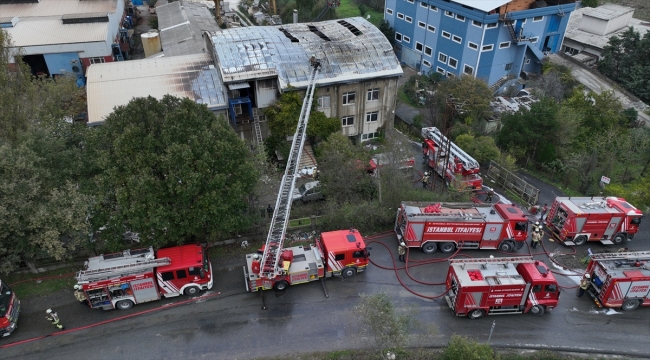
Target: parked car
309, 191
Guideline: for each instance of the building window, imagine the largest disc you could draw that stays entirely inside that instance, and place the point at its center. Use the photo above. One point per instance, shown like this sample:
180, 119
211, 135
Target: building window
428, 51
369, 136
426, 63
442, 58
527, 61
389, 11
446, 35
408, 19
504, 45
534, 40
471, 45
372, 116
96, 60
487, 47
349, 97
398, 36
324, 102
433, 8
460, 18
431, 28
509, 66
449, 13
347, 121
457, 39
477, 23
422, 25
406, 39
492, 26
400, 16
453, 62
418, 46
538, 18
450, 75
411, 1
440, 70
373, 94
468, 69
423, 4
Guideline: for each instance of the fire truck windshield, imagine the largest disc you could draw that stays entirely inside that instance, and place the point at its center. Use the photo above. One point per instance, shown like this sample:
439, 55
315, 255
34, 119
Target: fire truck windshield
5, 299
521, 226
635, 221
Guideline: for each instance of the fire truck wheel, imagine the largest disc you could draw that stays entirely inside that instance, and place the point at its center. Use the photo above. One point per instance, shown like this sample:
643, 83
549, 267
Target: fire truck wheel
124, 304
476, 314
537, 310
281, 285
619, 238
429, 248
447, 247
506, 246
348, 272
630, 304
191, 291
580, 240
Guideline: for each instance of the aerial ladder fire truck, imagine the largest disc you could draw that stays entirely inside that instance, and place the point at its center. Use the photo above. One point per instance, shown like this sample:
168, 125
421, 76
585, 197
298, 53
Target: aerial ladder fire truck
457, 168
620, 280
9, 310
335, 253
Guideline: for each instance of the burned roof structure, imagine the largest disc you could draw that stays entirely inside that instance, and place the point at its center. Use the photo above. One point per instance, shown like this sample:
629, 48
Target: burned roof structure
349, 50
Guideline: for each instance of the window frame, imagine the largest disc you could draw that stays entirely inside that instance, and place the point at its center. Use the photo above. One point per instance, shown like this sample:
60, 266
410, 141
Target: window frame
429, 27
370, 94
424, 5
97, 60
492, 25
433, 8
411, 1
465, 66
449, 14
370, 115
508, 66
538, 18
398, 36
448, 36
450, 65
345, 100
406, 39
408, 19
489, 46
504, 45
400, 16
534, 40
347, 121
457, 39
426, 63
460, 18
440, 70
469, 45
450, 74
422, 24
441, 54
428, 51
389, 11
320, 99
420, 45
474, 22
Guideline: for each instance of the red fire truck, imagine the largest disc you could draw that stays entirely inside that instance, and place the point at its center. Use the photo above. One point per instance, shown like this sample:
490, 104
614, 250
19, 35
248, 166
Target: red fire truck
135, 276
457, 168
9, 310
335, 253
465, 225
496, 286
576, 220
620, 280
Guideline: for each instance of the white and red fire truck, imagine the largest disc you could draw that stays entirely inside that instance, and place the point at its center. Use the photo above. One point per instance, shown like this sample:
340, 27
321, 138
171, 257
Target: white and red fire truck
576, 220
466, 225
135, 276
335, 253
496, 286
9, 310
620, 280
457, 168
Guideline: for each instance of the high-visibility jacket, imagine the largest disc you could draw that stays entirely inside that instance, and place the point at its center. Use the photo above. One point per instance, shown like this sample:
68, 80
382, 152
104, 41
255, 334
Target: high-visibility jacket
584, 284
401, 250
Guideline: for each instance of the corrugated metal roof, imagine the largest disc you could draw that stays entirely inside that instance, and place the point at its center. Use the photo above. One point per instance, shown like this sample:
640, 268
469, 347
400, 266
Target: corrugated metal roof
251, 52
116, 83
181, 28
51, 31
483, 5
58, 7
573, 32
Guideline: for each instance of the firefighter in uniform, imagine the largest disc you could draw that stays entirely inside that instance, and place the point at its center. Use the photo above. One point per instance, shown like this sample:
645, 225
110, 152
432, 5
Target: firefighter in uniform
490, 193
79, 294
537, 226
425, 179
536, 238
584, 284
54, 318
401, 250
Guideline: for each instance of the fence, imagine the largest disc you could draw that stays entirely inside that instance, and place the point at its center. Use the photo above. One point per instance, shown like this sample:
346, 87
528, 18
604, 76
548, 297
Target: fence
506, 179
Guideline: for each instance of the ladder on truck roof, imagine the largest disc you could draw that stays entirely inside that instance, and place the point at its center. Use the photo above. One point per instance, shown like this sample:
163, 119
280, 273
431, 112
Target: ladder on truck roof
495, 261
459, 215
121, 270
434, 134
636, 255
280, 219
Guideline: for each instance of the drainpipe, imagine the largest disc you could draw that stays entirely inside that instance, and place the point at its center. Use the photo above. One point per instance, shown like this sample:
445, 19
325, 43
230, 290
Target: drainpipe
295, 16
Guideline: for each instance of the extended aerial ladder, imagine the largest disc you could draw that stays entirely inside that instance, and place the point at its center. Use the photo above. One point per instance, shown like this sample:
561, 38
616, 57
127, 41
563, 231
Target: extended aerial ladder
269, 264
441, 142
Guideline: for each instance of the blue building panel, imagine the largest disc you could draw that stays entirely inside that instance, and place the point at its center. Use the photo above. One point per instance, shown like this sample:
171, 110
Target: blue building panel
64, 63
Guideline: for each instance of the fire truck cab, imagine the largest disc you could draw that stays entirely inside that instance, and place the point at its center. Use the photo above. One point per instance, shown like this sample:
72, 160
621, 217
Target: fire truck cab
9, 310
131, 277
576, 220
496, 286
448, 226
335, 253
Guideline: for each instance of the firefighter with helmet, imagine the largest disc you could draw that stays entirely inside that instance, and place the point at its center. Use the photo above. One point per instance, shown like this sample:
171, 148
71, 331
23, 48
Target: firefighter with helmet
54, 318
79, 294
537, 226
401, 250
536, 238
425, 179
584, 284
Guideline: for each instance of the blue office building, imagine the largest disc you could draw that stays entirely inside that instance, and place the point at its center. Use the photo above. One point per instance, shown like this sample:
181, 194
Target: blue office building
498, 41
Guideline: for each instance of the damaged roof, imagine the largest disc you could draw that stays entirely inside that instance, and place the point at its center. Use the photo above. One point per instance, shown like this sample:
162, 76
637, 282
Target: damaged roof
182, 27
349, 50
116, 83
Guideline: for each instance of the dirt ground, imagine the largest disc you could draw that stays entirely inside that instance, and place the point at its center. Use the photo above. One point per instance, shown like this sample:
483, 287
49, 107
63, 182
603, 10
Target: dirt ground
575, 260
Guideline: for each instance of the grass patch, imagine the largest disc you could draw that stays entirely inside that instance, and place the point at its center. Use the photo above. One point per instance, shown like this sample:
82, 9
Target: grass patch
542, 176
300, 222
407, 100
348, 8
26, 285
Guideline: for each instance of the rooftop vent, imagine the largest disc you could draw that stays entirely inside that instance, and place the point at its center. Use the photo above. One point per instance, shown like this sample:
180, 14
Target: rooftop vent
84, 18
315, 30
8, 22
7, 2
287, 34
350, 27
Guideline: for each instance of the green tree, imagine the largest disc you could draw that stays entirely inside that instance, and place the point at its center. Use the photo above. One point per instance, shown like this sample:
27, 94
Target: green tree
589, 3
482, 148
471, 95
16, 89
380, 320
625, 60
387, 30
172, 172
460, 348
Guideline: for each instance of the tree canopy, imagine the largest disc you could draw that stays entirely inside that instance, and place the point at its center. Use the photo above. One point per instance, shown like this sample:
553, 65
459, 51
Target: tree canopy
171, 171
470, 94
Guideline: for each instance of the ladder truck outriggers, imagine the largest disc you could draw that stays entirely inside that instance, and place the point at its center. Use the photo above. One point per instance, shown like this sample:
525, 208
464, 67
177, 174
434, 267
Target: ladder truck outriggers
335, 253
576, 220
497, 286
457, 168
135, 276
620, 280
